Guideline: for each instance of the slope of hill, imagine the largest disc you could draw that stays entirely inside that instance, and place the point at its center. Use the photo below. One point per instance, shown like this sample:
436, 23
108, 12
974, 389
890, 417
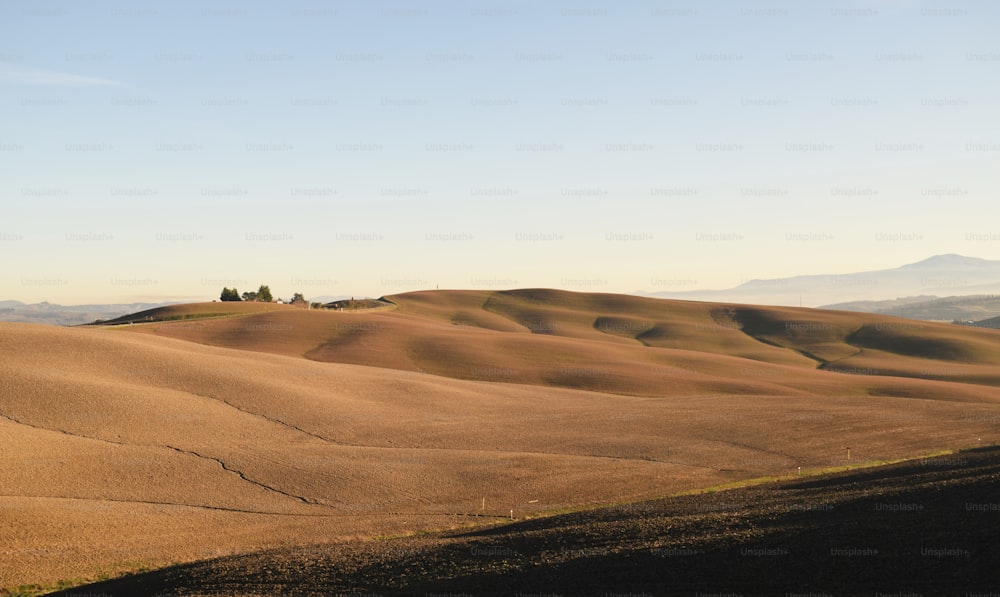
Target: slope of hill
940, 275
947, 309
992, 323
188, 311
199, 436
923, 527
621, 344
880, 306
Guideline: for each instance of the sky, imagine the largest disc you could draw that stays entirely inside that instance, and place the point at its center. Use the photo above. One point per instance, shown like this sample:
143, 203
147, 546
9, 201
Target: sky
154, 151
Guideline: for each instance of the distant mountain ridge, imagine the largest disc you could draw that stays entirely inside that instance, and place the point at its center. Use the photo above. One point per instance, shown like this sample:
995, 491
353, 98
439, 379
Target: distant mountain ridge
53, 314
940, 275
906, 291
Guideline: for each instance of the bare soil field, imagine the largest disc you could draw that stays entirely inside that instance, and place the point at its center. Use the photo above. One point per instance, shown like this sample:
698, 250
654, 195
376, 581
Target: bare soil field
920, 527
203, 434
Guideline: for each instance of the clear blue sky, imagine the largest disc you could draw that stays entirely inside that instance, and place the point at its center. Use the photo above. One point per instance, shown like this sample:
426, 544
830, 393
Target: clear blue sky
161, 150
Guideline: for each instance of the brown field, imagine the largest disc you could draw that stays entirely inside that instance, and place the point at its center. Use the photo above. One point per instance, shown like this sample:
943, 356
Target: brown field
221, 428
920, 527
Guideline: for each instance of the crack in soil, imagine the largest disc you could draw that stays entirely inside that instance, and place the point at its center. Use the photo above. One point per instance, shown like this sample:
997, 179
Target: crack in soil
242, 475
64, 432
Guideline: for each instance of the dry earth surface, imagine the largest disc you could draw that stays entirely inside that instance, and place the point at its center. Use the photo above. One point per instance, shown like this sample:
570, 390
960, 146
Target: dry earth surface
920, 527
214, 429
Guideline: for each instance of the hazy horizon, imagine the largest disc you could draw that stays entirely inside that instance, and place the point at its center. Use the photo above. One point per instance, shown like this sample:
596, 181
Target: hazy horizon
779, 294
160, 152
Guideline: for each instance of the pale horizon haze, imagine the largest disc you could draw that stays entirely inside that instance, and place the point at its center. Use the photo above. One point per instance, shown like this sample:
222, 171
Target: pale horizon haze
155, 151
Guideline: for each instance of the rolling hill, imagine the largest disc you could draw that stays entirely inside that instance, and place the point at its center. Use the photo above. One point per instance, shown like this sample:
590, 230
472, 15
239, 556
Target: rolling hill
188, 311
947, 309
992, 323
619, 343
200, 431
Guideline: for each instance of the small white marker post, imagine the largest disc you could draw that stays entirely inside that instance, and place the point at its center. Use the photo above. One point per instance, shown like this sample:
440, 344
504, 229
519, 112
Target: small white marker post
512, 515
484, 504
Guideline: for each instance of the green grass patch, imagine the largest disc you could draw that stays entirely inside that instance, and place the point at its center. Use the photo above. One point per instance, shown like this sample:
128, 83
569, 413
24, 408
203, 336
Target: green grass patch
32, 590
179, 317
187, 316
752, 482
366, 304
806, 473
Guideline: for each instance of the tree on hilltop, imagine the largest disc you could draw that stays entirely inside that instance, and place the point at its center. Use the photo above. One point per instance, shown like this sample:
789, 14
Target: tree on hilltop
263, 295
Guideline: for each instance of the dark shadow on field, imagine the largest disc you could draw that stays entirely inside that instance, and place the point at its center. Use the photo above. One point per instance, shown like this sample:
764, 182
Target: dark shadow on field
925, 527
902, 474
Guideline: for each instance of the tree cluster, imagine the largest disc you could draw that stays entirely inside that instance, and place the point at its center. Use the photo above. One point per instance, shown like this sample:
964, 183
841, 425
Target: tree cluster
262, 295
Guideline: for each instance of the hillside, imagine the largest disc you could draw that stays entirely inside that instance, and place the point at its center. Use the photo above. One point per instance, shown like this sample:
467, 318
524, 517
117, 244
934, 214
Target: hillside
911, 528
211, 433
992, 323
946, 309
622, 344
189, 311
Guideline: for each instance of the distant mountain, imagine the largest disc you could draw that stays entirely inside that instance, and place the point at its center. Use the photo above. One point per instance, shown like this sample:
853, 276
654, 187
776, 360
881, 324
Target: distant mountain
952, 308
53, 314
941, 275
